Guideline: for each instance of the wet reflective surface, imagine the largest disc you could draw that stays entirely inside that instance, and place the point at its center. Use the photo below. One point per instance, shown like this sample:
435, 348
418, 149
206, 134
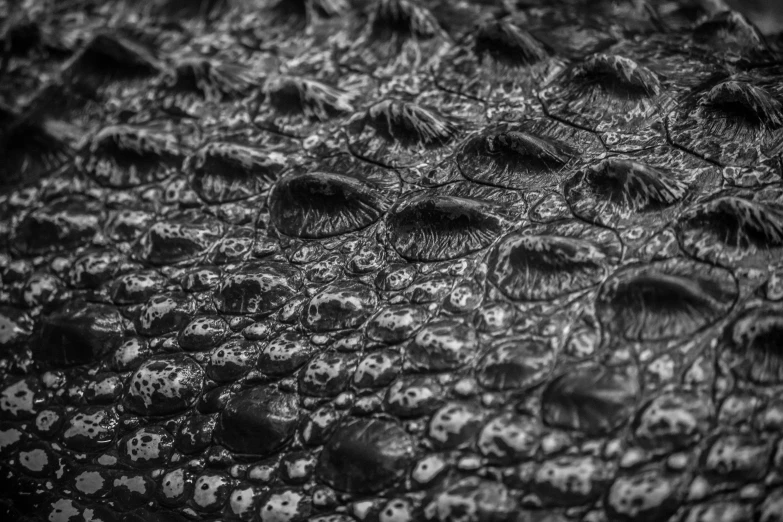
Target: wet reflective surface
390, 261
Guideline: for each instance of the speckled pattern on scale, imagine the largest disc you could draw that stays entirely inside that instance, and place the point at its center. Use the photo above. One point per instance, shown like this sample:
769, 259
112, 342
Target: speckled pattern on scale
390, 261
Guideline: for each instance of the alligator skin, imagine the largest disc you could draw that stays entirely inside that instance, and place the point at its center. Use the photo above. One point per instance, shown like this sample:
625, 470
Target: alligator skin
397, 261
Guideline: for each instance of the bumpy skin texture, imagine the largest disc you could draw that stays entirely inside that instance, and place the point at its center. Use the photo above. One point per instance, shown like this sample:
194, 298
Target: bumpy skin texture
393, 261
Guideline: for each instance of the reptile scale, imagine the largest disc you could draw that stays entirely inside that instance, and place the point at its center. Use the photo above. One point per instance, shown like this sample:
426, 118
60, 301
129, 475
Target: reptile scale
389, 261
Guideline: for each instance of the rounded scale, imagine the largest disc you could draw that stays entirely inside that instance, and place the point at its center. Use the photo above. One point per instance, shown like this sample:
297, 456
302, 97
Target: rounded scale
147, 447
396, 323
313, 99
128, 224
319, 425
123, 156
91, 483
672, 421
512, 158
202, 333
132, 490
236, 246
508, 44
494, 316
90, 429
108, 58
413, 396
136, 287
729, 28
225, 171
231, 360
104, 388
752, 344
36, 147
316, 205
547, 261
289, 505
612, 76
621, 192
571, 480
664, 299
257, 289
510, 437
365, 456
258, 421
164, 385
378, 369
214, 80
15, 326
454, 425
130, 354
731, 120
40, 289
95, 268
404, 18
344, 304
485, 501
516, 364
431, 227
200, 279
443, 345
395, 277
730, 230
429, 288
286, 353
593, 399
21, 399
327, 374
732, 106
737, 457
39, 460
175, 487
79, 333
62, 224
179, 238
407, 124
165, 313
611, 94
195, 434
48, 423
211, 491
644, 496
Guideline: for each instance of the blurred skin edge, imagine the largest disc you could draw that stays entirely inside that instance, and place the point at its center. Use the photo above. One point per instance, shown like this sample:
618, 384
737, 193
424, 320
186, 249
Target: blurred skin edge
766, 14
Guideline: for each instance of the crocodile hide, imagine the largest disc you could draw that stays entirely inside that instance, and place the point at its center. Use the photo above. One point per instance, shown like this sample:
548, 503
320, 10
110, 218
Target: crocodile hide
390, 261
